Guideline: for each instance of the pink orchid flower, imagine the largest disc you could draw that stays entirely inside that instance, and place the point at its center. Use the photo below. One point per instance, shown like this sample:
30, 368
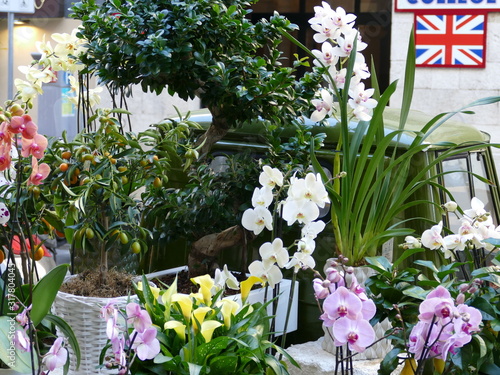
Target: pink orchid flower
38, 172
437, 303
5, 157
5, 134
56, 356
35, 146
341, 303
146, 345
358, 334
22, 341
140, 318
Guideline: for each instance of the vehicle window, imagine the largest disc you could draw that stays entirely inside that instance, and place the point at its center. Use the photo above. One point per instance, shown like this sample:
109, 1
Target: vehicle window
464, 186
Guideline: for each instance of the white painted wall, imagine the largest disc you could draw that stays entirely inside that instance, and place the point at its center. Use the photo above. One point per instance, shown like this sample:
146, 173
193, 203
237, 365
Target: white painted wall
440, 90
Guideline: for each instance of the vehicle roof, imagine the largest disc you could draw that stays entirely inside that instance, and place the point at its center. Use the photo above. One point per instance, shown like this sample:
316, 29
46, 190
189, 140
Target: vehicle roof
453, 131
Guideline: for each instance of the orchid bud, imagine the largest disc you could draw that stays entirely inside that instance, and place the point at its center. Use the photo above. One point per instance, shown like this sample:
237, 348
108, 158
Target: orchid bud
460, 298
349, 270
472, 290
463, 288
450, 206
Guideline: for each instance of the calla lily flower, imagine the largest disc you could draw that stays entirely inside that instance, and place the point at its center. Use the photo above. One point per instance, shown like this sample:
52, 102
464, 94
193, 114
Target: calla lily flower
228, 308
198, 316
246, 286
178, 327
208, 327
185, 303
154, 290
206, 284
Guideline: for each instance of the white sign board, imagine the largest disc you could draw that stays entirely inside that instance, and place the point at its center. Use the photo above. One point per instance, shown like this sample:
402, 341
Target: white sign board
17, 6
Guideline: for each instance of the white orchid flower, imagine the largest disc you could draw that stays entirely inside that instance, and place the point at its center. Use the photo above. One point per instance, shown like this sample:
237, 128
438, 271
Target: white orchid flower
323, 106
306, 245
432, 239
301, 260
256, 219
28, 90
274, 253
262, 196
270, 177
325, 57
477, 211
325, 30
271, 275
301, 211
312, 229
310, 188
412, 243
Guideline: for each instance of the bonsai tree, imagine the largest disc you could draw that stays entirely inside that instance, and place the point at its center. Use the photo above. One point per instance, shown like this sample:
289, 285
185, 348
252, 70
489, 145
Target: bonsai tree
195, 48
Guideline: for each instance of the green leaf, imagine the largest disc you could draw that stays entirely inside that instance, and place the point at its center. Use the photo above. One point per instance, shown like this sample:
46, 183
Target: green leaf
415, 292
45, 292
382, 263
20, 361
487, 310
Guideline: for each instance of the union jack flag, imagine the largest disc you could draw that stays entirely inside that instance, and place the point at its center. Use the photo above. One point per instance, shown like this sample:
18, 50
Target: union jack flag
450, 40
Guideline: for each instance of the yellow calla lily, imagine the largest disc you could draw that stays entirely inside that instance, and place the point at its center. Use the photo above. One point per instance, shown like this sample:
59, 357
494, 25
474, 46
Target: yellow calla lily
199, 316
166, 298
185, 302
246, 286
179, 328
228, 308
198, 297
208, 327
206, 284
154, 290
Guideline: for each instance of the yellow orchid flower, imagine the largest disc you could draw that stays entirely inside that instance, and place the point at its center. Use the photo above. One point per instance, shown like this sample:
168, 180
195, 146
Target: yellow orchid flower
246, 286
179, 328
228, 309
208, 327
185, 302
199, 316
206, 284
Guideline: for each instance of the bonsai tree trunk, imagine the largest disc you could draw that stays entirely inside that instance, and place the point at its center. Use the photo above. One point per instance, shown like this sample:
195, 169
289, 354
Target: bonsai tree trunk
217, 130
205, 251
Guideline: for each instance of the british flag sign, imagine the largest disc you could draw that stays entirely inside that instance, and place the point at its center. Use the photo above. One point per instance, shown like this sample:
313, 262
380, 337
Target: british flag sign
450, 40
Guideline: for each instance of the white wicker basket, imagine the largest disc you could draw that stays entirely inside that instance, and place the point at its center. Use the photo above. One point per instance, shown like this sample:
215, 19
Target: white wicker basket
83, 315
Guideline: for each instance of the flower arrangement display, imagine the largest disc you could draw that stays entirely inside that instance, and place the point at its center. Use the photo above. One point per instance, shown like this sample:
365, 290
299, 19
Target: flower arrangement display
305, 197
378, 183
198, 333
444, 315
347, 310
27, 341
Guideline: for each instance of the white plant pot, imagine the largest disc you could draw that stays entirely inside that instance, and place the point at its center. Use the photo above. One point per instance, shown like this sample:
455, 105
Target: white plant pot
83, 316
377, 351
258, 295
